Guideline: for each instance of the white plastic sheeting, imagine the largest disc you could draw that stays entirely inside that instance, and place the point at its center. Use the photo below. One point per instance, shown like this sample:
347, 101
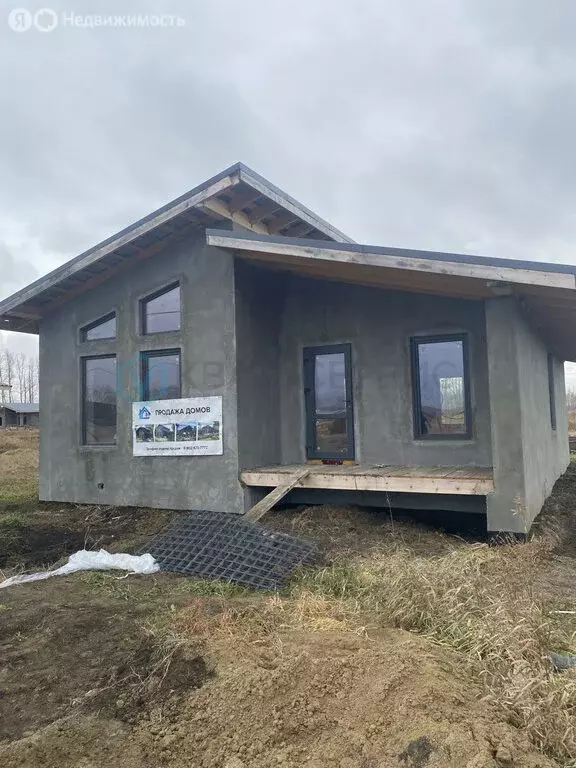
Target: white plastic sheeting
92, 561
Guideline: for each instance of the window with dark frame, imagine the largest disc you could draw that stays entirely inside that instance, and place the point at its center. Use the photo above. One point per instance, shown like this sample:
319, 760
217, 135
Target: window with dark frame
103, 328
441, 387
160, 312
99, 400
328, 402
161, 375
551, 390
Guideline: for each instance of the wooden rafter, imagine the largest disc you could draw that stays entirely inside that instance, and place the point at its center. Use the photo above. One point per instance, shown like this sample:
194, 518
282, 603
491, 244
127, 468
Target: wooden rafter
263, 211
222, 209
280, 223
122, 266
243, 198
300, 230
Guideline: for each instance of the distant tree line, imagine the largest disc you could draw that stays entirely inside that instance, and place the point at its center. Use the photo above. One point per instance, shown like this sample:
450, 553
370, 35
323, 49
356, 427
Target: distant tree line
571, 399
18, 377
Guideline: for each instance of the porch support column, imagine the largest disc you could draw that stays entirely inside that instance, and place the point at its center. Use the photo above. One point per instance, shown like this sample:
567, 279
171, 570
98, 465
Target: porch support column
506, 507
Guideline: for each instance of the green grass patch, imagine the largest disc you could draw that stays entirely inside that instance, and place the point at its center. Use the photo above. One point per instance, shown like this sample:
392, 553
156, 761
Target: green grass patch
115, 585
18, 491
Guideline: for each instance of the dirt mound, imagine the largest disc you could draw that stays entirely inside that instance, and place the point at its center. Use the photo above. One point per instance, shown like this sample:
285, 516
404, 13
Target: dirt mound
65, 651
316, 699
337, 699
90, 742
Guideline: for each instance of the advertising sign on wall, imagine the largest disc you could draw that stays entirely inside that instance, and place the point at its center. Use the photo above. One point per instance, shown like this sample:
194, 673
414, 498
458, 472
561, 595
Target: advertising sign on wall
188, 427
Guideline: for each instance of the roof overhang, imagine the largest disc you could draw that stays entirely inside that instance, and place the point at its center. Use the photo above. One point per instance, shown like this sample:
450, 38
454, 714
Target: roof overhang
21, 407
547, 292
237, 197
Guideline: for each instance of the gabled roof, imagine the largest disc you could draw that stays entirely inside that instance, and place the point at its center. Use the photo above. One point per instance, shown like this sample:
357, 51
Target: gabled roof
21, 407
237, 196
547, 292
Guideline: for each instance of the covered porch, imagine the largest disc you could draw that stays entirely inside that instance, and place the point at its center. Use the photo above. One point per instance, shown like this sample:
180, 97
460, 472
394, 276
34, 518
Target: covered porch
461, 481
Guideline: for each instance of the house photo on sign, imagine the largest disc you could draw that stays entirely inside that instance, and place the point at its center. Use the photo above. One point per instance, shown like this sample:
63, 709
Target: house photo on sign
186, 427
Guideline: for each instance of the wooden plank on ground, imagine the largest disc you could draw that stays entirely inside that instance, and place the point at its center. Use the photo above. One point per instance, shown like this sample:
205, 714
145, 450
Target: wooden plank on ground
266, 504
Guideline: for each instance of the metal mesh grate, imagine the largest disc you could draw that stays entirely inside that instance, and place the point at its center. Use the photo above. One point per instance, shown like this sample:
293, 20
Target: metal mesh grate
216, 545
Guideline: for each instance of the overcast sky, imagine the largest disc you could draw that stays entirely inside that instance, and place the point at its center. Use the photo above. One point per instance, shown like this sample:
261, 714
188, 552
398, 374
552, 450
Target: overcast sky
439, 125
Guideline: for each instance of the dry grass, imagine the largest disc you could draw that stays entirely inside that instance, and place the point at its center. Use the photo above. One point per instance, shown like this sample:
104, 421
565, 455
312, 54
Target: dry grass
474, 599
18, 465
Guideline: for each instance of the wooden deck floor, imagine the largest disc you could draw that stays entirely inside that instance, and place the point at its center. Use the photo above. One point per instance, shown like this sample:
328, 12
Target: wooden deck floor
468, 481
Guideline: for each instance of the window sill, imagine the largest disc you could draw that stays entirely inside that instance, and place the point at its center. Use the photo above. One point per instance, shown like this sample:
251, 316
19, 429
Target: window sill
457, 441
160, 334
98, 447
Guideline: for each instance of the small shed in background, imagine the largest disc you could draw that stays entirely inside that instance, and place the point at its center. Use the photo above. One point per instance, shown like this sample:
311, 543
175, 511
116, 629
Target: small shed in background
20, 415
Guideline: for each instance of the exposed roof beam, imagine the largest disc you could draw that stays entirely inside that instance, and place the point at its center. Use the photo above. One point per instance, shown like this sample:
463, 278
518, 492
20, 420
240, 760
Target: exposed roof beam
19, 324
290, 204
122, 266
262, 211
85, 260
26, 315
300, 230
221, 209
280, 223
243, 198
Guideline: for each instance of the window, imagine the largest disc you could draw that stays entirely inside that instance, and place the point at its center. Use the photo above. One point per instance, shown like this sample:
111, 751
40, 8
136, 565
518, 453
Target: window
328, 399
161, 311
551, 391
105, 328
440, 387
99, 400
161, 375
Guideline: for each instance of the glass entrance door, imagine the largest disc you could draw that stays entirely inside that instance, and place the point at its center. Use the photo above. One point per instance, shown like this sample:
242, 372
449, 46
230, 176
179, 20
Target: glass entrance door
328, 398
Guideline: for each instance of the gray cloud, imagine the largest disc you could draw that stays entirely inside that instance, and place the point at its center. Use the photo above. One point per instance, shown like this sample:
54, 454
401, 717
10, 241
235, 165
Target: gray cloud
443, 125
14, 268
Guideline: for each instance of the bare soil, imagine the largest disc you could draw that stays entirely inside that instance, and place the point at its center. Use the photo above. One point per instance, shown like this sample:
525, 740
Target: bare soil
97, 670
77, 691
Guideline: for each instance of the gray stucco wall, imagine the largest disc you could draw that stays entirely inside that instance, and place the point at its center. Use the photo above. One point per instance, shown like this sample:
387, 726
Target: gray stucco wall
259, 301
379, 324
73, 472
243, 333
528, 455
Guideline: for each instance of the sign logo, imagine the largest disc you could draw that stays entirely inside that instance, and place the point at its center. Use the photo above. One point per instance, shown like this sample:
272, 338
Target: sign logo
144, 413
